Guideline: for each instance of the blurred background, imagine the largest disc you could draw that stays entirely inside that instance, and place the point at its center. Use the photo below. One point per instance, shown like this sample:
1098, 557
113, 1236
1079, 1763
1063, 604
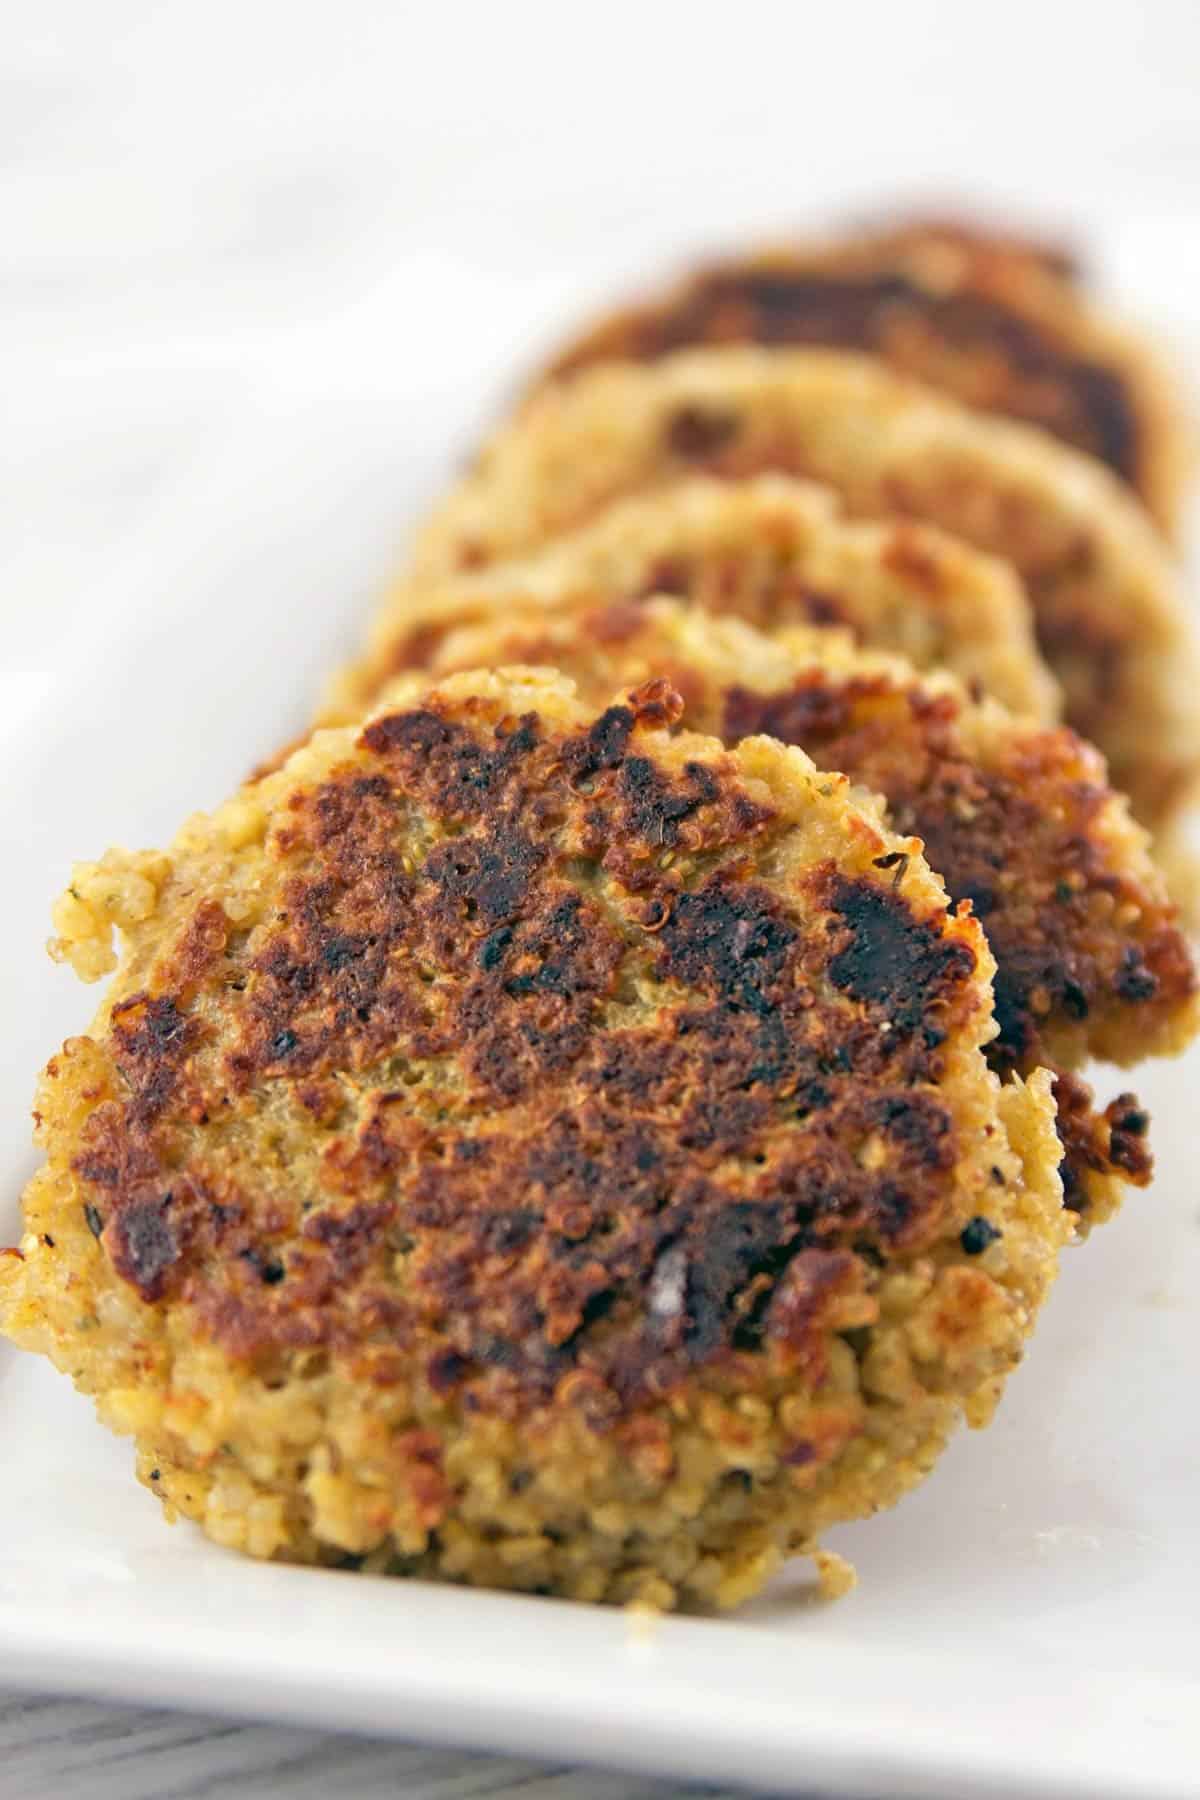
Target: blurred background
216, 213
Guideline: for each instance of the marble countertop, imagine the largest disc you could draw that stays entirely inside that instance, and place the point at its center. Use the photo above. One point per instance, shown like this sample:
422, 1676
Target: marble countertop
206, 209
54, 1749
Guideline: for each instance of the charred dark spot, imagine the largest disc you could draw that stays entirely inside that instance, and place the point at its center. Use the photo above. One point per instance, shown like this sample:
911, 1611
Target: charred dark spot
446, 1369
813, 708
1018, 1038
984, 899
657, 807
895, 1208
357, 1240
151, 1039
728, 940
144, 1021
806, 308
519, 1024
696, 432
423, 732
741, 1242
1129, 1126
506, 1232
977, 1234
1111, 421
822, 609
1033, 372
602, 746
1074, 999
1134, 981
487, 878
597, 1306
812, 1097
449, 765
143, 1246
491, 951
497, 1352
1098, 1142
893, 960
339, 951
95, 1222
919, 1122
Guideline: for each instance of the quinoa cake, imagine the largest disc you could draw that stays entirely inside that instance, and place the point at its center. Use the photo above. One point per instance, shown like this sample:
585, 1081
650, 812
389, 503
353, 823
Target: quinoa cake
1109, 613
537, 1147
990, 319
772, 551
1016, 817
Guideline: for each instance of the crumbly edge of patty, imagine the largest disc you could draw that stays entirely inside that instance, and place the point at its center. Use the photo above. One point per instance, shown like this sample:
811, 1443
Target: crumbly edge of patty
697, 1508
771, 550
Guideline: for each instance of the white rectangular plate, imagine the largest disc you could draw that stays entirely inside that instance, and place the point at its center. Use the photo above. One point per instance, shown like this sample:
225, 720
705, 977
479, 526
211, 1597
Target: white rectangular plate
1025, 1625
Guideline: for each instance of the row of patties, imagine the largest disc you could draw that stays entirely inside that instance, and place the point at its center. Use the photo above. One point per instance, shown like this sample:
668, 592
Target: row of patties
600, 1109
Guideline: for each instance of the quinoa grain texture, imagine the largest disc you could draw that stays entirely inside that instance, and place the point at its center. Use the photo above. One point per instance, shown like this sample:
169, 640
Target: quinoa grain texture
528, 1144
1017, 817
995, 322
770, 550
1109, 614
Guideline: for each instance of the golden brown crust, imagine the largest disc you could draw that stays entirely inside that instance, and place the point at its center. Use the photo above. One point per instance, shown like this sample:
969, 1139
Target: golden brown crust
1109, 614
1018, 819
486, 970
987, 318
1021, 822
500, 1117
771, 551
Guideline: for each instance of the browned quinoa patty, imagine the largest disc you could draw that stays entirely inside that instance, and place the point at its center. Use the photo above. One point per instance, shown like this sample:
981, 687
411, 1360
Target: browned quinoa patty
989, 319
534, 1146
1109, 612
1016, 817
772, 551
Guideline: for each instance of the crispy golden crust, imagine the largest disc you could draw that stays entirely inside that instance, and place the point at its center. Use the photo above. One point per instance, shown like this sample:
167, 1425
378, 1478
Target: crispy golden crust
1018, 818
534, 1146
771, 551
988, 319
1109, 614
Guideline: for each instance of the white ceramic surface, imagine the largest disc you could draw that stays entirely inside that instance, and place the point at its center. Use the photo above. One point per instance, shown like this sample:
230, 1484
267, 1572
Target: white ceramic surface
1025, 1625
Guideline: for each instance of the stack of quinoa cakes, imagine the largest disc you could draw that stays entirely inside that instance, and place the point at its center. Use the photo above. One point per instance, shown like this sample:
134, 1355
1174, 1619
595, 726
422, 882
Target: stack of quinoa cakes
608, 1103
